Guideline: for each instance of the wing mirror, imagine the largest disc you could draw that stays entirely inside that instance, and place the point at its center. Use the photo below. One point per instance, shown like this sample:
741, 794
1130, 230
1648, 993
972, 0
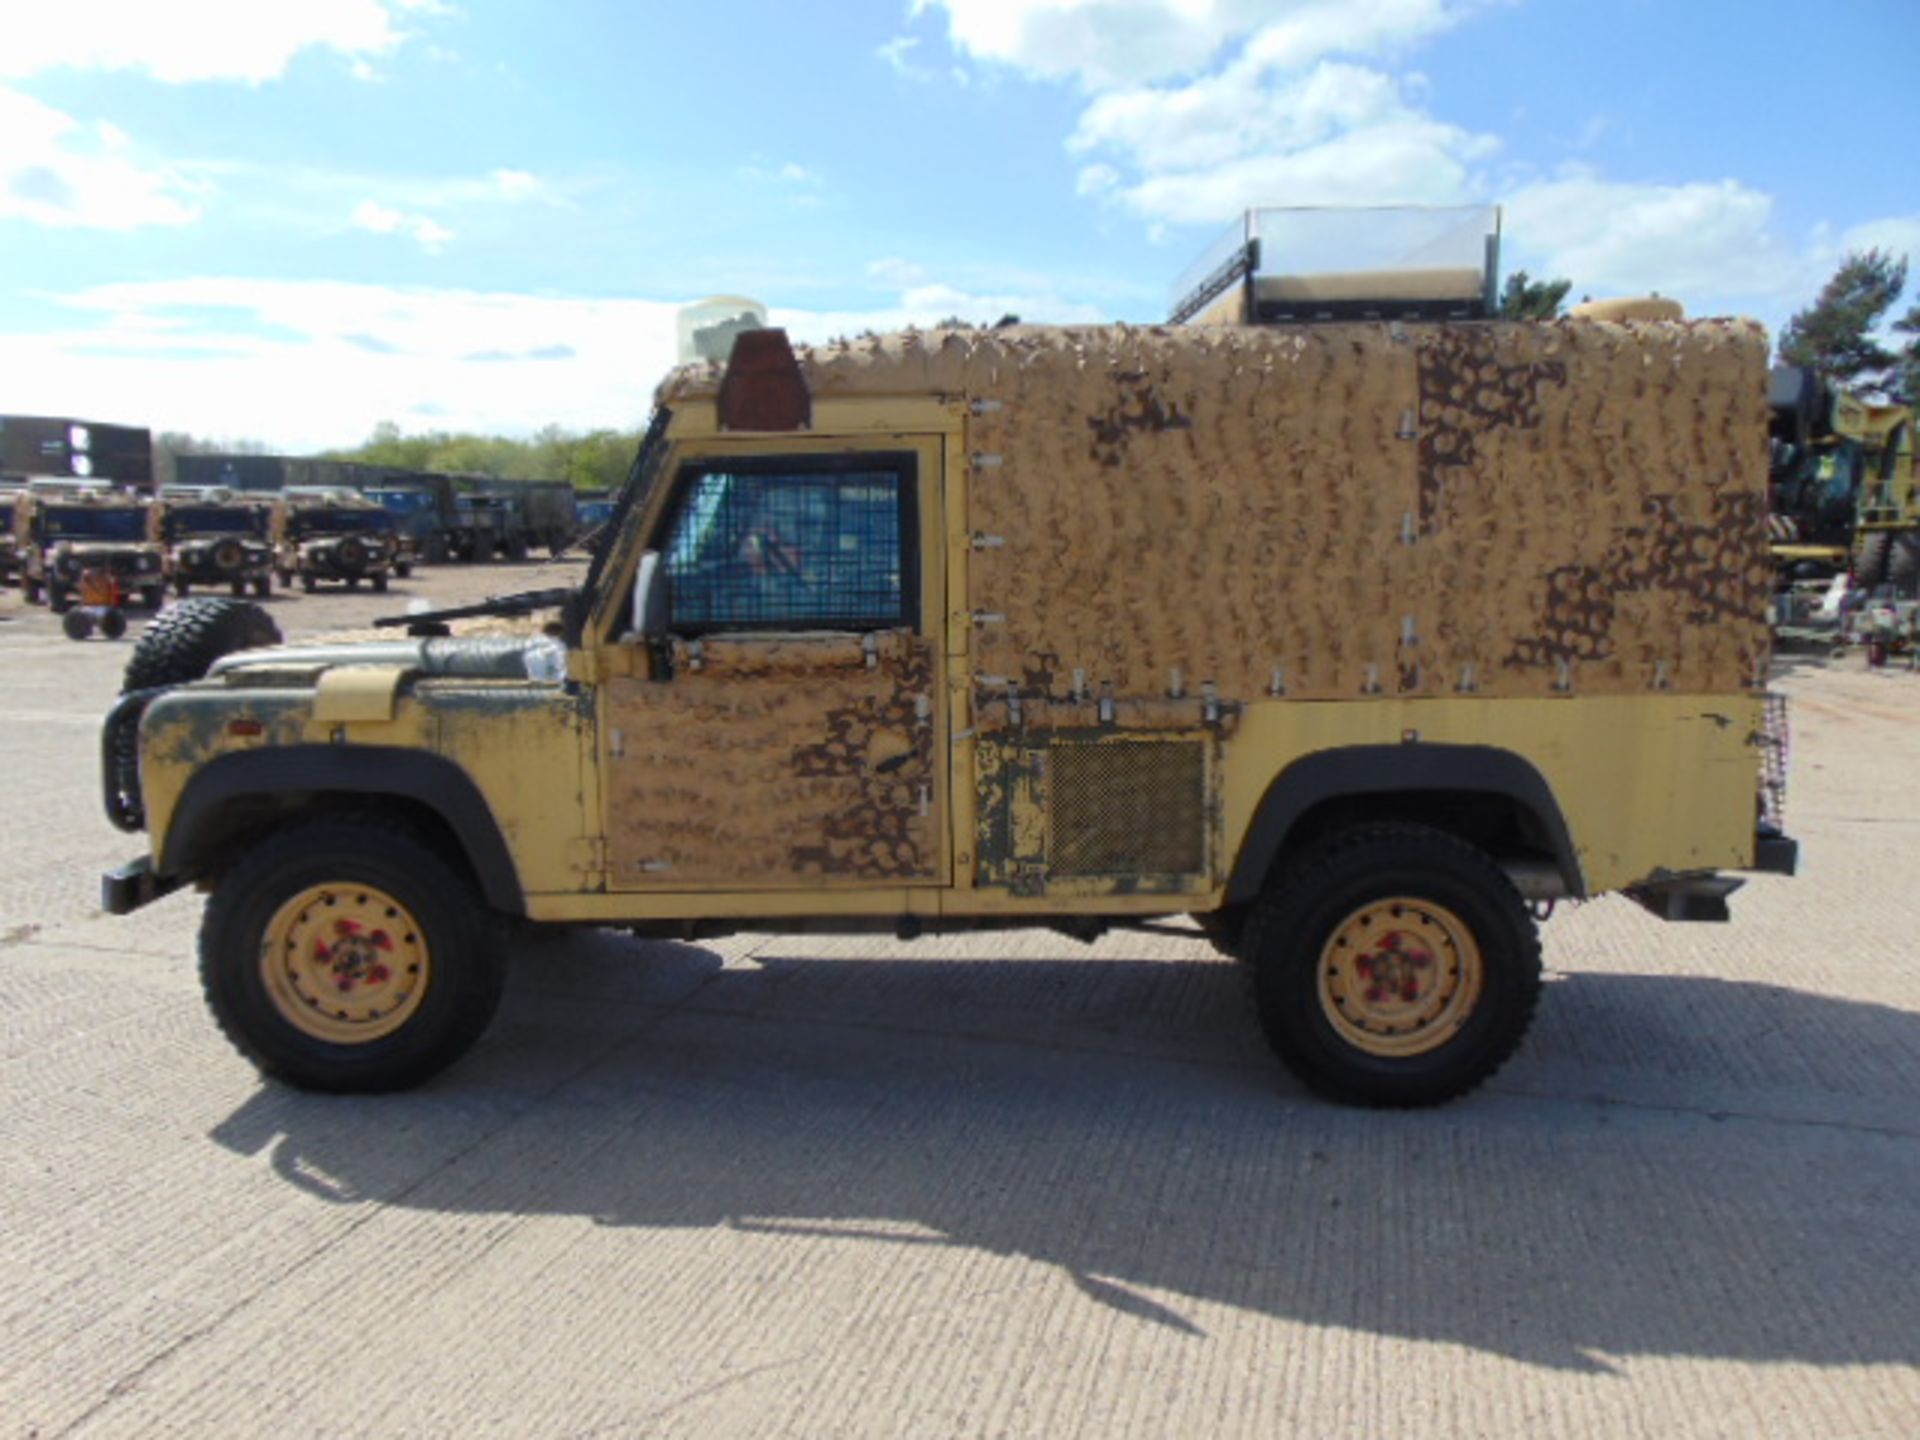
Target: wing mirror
650, 611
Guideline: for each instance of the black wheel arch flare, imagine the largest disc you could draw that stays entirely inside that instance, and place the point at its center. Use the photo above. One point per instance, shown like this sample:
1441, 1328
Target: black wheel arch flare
1379, 771
370, 772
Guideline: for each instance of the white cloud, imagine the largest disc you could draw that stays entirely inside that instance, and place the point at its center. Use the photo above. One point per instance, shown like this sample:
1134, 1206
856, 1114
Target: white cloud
1105, 44
431, 235
1706, 238
56, 171
221, 356
189, 40
1895, 235
895, 53
1340, 134
516, 184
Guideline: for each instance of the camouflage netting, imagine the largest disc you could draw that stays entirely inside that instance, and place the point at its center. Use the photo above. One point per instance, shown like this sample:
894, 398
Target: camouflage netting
1344, 510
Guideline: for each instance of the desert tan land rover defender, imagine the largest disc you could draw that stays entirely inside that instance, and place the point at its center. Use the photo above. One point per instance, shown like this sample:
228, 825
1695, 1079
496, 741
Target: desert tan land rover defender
1353, 640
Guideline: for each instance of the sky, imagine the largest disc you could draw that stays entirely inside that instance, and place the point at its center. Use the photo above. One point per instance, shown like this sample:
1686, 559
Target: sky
291, 220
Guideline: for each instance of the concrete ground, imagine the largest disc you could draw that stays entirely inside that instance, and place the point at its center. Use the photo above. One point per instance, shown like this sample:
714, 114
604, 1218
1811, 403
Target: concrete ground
1005, 1186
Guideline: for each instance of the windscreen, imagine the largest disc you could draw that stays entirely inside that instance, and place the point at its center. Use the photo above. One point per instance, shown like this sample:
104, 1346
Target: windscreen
214, 520
88, 522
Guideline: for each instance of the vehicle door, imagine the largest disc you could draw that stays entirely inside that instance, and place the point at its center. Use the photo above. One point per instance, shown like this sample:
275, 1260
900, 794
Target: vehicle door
787, 735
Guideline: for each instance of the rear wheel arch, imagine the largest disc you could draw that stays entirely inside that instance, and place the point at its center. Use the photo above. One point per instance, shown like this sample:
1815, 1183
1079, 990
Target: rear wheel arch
237, 797
1491, 797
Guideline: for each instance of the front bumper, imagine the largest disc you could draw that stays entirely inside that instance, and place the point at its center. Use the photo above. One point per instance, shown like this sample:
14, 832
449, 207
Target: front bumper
133, 885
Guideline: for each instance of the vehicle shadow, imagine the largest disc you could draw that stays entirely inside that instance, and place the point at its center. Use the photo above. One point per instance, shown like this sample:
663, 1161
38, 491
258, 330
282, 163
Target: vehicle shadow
1117, 1118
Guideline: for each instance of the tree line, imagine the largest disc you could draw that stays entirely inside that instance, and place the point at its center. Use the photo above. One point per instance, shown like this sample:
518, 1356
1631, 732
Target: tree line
591, 459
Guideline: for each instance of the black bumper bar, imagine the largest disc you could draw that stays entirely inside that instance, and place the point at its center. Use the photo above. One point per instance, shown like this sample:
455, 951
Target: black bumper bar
134, 884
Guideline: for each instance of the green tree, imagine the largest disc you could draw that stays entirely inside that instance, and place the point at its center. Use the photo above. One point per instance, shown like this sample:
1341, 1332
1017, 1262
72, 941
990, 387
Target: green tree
1835, 334
1906, 379
1524, 299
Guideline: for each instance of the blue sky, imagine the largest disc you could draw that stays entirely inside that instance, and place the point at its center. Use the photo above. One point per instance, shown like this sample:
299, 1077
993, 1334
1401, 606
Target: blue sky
291, 219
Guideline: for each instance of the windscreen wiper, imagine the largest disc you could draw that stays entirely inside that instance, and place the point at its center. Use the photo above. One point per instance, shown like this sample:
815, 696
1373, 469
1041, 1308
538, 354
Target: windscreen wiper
434, 622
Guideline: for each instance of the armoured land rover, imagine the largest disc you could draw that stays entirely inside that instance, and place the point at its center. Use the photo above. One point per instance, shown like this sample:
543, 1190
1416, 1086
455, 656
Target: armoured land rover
82, 542
215, 538
1355, 640
334, 535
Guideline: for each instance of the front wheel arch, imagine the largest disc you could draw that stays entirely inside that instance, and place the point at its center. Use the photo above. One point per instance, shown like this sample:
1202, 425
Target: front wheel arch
238, 794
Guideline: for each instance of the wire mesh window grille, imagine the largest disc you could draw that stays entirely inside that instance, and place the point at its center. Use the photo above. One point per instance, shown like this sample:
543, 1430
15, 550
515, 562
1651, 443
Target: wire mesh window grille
789, 550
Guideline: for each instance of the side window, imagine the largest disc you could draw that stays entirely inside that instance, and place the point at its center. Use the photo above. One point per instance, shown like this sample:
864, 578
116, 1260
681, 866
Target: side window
792, 546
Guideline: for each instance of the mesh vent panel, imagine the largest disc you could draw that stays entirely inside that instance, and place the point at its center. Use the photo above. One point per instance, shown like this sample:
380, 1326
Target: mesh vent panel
1128, 808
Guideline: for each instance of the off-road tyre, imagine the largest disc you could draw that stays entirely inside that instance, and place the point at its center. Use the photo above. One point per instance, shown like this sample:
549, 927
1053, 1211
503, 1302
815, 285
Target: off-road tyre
1903, 564
1875, 551
1371, 876
113, 623
181, 643
76, 624
349, 859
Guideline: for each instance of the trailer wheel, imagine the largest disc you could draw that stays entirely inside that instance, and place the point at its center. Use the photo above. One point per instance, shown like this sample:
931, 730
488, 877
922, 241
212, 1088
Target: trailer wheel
113, 623
1394, 965
78, 624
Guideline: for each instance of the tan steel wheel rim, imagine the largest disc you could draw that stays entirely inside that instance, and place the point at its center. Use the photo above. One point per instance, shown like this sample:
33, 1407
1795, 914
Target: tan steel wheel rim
345, 963
1400, 976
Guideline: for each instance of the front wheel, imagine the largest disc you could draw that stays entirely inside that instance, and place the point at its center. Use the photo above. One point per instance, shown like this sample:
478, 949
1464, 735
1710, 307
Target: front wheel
349, 956
1394, 965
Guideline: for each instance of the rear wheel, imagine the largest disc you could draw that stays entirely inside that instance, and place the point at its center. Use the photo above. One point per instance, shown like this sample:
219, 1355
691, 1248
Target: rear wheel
1394, 965
346, 955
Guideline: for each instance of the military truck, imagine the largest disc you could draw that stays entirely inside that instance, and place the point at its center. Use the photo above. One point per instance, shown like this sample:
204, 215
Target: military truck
331, 535
214, 537
1845, 491
424, 517
85, 542
491, 526
1359, 642
544, 510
